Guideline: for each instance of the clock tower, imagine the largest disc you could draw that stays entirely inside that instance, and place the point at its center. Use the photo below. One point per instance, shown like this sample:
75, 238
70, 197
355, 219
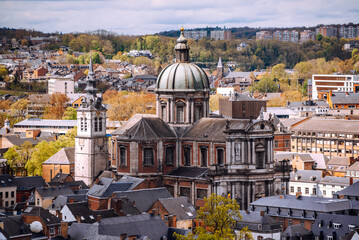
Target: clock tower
91, 147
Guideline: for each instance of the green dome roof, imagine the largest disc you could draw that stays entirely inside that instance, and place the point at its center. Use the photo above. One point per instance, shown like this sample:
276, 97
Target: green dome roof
182, 77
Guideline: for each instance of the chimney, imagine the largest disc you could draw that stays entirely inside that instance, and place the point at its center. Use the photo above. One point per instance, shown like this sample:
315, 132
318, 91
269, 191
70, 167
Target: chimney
78, 218
331, 93
298, 195
123, 236
350, 181
262, 213
71, 200
98, 218
346, 93
351, 160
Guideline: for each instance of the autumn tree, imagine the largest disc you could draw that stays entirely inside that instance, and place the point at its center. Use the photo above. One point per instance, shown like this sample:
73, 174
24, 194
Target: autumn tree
266, 84
70, 114
18, 156
124, 105
19, 108
218, 217
214, 102
57, 106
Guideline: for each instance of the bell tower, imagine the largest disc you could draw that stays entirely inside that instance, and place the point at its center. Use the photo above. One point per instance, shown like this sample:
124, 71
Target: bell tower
91, 148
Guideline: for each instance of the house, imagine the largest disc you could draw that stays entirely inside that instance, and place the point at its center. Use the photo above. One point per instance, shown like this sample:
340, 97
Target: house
44, 196
7, 191
62, 200
143, 199
37, 104
292, 210
338, 166
334, 226
143, 226
25, 186
350, 192
137, 183
353, 171
123, 206
329, 185
13, 227
305, 182
343, 100
80, 213
261, 225
51, 225
62, 177
60, 162
176, 212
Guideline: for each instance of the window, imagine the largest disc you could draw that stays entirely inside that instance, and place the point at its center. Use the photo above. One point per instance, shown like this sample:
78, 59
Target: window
324, 193
96, 124
204, 156
287, 143
292, 189
260, 237
329, 237
289, 221
351, 227
185, 192
6, 194
180, 114
169, 155
201, 193
122, 156
306, 190
82, 124
164, 113
187, 156
100, 124
276, 144
12, 194
314, 191
336, 225
85, 124
220, 156
148, 157
299, 189
52, 231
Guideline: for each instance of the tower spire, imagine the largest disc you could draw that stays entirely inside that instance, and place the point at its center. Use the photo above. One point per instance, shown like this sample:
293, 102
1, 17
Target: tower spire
182, 49
91, 89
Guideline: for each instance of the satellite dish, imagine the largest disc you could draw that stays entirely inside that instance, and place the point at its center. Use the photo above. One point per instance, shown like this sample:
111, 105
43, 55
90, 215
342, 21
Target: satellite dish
36, 227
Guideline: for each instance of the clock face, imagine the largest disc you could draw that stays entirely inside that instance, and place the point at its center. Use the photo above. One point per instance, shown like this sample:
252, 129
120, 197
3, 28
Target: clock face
98, 113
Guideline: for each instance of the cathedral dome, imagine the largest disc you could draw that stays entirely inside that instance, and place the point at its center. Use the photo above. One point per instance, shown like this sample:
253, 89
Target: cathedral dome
181, 77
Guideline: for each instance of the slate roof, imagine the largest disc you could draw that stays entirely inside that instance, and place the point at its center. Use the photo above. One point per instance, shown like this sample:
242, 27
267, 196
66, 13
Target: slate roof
212, 129
72, 184
16, 140
127, 207
60, 177
141, 127
306, 176
342, 181
296, 231
145, 198
105, 191
241, 74
304, 203
61, 201
140, 225
350, 191
354, 167
87, 215
27, 183
51, 192
64, 156
329, 125
345, 98
36, 122
341, 161
253, 219
324, 223
45, 215
129, 179
15, 226
189, 172
179, 207
6, 181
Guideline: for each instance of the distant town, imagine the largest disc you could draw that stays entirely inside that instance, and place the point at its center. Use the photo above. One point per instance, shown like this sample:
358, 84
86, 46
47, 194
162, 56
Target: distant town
104, 136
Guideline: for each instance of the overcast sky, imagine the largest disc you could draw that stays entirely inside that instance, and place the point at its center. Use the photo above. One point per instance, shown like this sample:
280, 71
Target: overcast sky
151, 16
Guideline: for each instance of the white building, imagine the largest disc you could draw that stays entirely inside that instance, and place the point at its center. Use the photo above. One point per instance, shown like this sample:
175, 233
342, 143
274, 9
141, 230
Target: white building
225, 91
329, 185
305, 182
331, 82
63, 85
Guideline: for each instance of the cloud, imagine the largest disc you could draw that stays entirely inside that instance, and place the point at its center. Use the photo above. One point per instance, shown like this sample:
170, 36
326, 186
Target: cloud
151, 16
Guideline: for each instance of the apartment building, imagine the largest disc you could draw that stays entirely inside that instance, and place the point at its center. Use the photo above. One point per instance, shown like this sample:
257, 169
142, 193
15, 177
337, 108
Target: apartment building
332, 137
63, 85
322, 84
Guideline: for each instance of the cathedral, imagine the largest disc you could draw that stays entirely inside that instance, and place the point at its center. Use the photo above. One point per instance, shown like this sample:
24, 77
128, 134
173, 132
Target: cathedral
182, 147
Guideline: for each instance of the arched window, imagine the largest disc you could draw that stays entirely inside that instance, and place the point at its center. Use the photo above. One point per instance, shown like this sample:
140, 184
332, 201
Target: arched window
204, 156
198, 112
169, 158
96, 124
100, 124
180, 114
85, 124
82, 124
187, 156
220, 156
260, 155
164, 113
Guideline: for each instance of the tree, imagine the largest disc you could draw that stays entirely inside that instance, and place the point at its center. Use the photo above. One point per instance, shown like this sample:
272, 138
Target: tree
70, 114
3, 73
12, 157
214, 102
57, 106
218, 216
42, 151
19, 108
18, 156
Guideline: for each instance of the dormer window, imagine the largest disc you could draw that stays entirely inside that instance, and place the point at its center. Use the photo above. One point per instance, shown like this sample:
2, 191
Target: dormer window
336, 225
298, 177
313, 178
351, 227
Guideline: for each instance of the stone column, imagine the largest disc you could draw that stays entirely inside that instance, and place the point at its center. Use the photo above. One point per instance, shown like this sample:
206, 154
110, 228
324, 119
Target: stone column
168, 108
254, 160
173, 118
243, 157
192, 111
232, 160
187, 111
158, 107
204, 108
352, 148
